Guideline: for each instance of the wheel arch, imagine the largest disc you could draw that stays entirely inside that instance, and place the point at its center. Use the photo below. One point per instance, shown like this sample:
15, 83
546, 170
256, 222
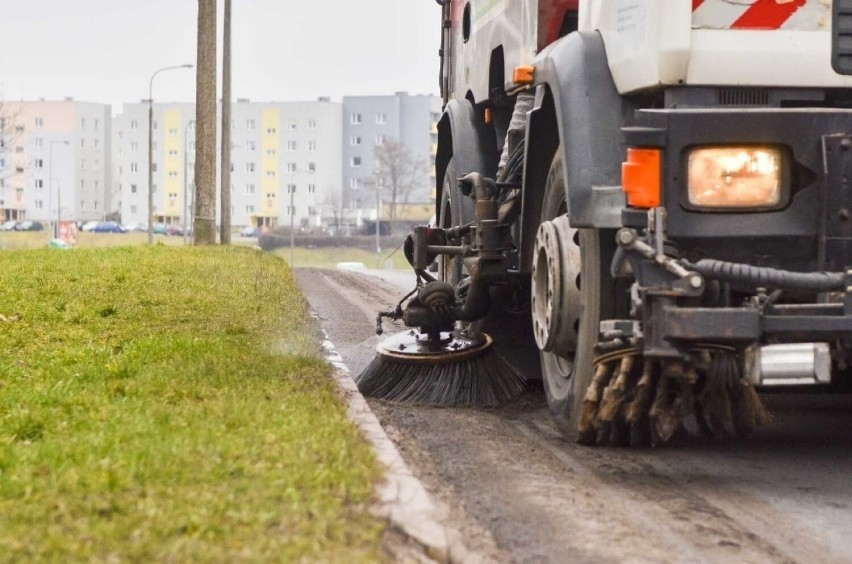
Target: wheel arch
579, 112
464, 136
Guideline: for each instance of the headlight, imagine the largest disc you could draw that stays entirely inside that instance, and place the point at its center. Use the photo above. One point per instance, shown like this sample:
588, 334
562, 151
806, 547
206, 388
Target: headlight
734, 177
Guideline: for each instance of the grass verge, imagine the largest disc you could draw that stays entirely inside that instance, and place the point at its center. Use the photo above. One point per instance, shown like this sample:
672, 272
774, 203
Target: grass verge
170, 404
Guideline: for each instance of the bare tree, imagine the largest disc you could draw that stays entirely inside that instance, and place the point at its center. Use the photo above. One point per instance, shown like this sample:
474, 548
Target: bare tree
332, 202
205, 126
11, 133
399, 173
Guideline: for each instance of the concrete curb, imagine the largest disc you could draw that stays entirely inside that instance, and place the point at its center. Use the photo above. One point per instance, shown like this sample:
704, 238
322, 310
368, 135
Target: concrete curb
403, 499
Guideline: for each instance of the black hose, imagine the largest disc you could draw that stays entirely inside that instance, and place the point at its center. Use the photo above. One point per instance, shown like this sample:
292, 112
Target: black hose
769, 277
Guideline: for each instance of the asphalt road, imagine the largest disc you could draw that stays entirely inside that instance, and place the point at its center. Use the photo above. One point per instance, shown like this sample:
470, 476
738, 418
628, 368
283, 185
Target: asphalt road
519, 492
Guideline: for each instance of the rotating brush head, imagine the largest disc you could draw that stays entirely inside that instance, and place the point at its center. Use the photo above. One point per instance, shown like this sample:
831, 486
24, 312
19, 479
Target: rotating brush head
449, 370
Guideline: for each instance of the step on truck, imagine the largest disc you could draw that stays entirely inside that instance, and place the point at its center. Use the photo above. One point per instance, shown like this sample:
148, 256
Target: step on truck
656, 194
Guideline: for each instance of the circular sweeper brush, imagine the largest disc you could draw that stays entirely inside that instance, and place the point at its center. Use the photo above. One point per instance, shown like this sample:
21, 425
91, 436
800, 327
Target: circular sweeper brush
442, 369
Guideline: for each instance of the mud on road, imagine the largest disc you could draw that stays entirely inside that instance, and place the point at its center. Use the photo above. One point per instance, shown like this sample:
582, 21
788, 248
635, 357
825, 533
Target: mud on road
518, 492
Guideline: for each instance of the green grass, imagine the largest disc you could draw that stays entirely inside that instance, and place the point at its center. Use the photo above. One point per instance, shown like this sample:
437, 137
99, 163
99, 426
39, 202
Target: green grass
162, 403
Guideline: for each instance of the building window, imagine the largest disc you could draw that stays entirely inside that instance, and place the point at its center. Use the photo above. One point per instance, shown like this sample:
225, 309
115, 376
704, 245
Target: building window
82, 123
312, 188
82, 205
270, 195
97, 143
82, 143
134, 167
270, 173
355, 141
312, 146
173, 132
271, 131
312, 124
291, 126
291, 167
291, 188
250, 124
39, 204
312, 167
173, 174
249, 209
97, 124
132, 188
154, 124
39, 122
134, 125
380, 140
312, 210
249, 167
355, 183
270, 152
249, 189
250, 146
134, 145
19, 149
291, 146
96, 165
355, 119
95, 206
173, 152
82, 185
133, 209
381, 118
39, 183
38, 163
356, 161
39, 142
154, 167
95, 185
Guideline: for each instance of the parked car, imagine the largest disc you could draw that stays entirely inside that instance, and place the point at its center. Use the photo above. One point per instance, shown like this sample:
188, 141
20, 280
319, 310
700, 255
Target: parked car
135, 226
250, 231
29, 226
90, 225
9, 225
159, 228
108, 227
174, 229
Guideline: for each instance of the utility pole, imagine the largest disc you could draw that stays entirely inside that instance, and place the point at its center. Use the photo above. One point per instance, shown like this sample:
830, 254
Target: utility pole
185, 211
225, 197
205, 126
292, 227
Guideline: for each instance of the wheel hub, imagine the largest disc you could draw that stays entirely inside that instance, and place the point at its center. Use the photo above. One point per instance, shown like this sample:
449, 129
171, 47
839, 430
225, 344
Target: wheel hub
555, 287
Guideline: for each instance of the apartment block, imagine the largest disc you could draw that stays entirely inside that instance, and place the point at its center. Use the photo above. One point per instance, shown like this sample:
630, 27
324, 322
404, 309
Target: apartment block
370, 122
285, 161
55, 160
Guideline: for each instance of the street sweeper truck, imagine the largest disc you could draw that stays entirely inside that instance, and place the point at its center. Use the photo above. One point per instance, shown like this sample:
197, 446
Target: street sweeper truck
654, 194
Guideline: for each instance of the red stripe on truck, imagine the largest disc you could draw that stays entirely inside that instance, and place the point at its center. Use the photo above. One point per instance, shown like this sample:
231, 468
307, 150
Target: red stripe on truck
767, 14
696, 4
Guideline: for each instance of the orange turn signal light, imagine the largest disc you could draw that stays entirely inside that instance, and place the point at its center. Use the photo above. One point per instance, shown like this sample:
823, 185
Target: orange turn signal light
641, 177
489, 116
524, 75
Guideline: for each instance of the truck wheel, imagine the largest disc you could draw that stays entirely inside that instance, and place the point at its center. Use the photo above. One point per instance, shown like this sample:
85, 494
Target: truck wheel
572, 291
455, 209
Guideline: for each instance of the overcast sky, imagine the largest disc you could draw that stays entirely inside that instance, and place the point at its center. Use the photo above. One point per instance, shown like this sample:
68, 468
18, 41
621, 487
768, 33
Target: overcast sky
106, 50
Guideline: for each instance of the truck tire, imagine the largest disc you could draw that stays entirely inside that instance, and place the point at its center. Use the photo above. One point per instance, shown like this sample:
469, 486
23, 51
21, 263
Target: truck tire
455, 209
585, 289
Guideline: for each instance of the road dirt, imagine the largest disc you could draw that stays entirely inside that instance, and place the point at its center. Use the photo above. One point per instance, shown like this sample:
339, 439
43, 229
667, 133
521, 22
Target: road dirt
518, 492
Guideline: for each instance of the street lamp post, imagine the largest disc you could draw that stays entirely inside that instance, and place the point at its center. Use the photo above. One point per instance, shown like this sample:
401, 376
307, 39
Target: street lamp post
151, 147
50, 189
292, 217
378, 214
185, 178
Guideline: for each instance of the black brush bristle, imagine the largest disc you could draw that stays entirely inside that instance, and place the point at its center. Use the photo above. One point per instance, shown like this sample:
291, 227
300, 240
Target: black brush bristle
485, 380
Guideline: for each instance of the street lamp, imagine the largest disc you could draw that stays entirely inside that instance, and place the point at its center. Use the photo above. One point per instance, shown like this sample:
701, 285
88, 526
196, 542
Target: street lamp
185, 177
378, 213
151, 148
50, 190
292, 216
